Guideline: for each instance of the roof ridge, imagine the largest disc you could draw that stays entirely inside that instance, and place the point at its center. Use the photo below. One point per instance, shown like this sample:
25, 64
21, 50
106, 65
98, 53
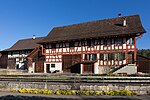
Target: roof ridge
31, 38
94, 21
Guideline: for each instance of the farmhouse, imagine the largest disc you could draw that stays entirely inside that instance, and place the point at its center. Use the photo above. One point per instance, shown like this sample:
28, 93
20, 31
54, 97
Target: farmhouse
15, 56
98, 47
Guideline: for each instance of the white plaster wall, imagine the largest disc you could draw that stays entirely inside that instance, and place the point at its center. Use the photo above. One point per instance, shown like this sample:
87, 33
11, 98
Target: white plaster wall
96, 68
101, 70
58, 66
124, 46
81, 69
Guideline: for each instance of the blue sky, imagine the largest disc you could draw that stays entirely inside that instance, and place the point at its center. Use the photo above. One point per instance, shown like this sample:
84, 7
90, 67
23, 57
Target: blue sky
20, 19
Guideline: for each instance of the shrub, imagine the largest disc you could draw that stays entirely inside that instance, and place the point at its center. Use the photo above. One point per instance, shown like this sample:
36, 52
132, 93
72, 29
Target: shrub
134, 92
117, 92
79, 92
125, 93
44, 91
58, 92
98, 93
21, 90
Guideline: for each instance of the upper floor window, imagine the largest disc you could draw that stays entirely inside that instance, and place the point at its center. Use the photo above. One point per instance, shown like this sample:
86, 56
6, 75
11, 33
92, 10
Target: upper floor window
118, 41
83, 43
46, 46
90, 42
71, 44
16, 52
130, 41
53, 45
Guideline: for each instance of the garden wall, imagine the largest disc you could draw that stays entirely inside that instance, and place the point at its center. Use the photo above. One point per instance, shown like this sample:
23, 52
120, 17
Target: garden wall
141, 88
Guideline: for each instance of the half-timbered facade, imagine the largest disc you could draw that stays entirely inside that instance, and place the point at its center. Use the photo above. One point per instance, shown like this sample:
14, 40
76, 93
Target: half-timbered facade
93, 47
15, 57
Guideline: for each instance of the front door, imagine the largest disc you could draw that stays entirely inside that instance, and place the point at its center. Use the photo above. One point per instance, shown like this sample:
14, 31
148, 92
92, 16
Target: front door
47, 68
39, 67
130, 57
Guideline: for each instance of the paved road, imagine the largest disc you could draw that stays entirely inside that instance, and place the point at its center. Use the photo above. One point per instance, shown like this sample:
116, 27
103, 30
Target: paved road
24, 96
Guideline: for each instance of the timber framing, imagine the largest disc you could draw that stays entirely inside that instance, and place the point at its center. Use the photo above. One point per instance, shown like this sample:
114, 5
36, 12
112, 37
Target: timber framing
91, 46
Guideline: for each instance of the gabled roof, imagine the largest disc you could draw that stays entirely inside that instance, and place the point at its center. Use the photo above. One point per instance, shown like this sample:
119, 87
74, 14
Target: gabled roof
25, 44
99, 28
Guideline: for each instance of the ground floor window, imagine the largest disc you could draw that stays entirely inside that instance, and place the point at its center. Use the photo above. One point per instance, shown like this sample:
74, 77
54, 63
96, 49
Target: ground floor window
52, 65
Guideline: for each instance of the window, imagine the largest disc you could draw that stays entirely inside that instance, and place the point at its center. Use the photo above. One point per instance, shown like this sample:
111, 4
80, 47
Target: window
101, 56
22, 52
105, 41
110, 56
92, 42
89, 43
60, 45
118, 41
46, 46
112, 41
83, 43
16, 52
71, 44
108, 42
52, 65
105, 56
119, 56
90, 57
116, 56
53, 45
94, 56
131, 41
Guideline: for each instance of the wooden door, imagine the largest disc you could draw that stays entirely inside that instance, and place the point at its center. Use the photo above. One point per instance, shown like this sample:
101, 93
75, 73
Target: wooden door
88, 68
68, 61
130, 58
12, 63
48, 68
39, 67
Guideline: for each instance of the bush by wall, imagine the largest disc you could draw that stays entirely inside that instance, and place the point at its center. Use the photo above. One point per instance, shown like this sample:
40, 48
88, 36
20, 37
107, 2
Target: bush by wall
78, 92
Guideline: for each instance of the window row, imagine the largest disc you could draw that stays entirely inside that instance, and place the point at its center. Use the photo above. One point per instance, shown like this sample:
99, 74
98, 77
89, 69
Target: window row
112, 56
19, 52
107, 56
91, 42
